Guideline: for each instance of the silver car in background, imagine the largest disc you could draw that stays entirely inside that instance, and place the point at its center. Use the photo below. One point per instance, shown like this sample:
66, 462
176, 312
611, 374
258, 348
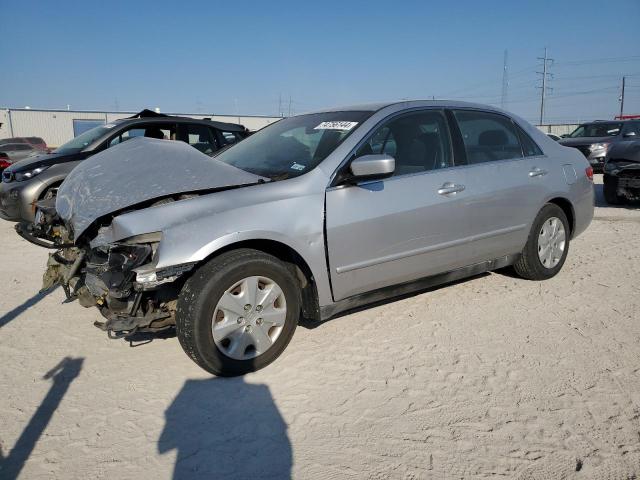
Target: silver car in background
313, 215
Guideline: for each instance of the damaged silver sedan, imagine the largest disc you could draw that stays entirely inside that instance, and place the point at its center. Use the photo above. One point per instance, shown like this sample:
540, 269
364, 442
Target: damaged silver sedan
313, 215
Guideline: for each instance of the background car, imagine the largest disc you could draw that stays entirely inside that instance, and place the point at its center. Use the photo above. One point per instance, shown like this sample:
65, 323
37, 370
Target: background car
5, 161
36, 142
39, 177
19, 151
594, 139
553, 136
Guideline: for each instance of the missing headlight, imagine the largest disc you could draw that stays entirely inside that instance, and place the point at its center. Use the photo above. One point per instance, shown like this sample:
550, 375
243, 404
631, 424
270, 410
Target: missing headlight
127, 257
146, 280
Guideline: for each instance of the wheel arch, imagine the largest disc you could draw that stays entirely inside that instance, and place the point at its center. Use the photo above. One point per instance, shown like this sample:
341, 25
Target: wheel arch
567, 208
49, 186
287, 254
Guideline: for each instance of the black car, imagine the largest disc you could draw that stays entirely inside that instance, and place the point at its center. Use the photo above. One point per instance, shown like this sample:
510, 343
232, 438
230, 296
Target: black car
36, 178
594, 139
622, 172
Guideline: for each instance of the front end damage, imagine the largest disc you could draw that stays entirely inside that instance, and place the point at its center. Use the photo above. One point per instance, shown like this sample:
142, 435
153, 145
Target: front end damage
119, 278
624, 175
104, 260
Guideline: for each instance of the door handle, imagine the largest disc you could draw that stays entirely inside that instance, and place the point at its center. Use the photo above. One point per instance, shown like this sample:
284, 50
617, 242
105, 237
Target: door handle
537, 172
449, 188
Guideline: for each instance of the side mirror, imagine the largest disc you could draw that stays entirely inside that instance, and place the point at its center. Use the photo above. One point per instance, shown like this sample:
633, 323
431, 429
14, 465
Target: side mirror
564, 135
373, 166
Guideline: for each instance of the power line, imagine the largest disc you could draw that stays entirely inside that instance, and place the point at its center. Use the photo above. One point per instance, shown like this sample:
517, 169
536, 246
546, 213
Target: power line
600, 60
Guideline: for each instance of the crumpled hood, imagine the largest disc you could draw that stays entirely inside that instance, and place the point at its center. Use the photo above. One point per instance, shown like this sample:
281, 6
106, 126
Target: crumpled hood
136, 171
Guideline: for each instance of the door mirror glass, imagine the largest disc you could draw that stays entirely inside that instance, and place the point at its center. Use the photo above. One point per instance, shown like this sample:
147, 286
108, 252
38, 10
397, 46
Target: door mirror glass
373, 166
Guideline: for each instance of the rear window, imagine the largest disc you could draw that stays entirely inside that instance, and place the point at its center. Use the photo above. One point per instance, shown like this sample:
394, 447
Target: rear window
529, 147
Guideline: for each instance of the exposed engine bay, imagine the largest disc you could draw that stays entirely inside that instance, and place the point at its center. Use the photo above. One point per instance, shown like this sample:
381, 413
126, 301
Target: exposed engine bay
111, 277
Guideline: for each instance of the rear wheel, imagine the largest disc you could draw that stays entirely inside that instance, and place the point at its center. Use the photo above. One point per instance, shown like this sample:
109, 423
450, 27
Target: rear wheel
547, 246
238, 312
610, 190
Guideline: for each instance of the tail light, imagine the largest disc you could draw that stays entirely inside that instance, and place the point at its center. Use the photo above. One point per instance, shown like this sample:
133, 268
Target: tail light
4, 164
589, 172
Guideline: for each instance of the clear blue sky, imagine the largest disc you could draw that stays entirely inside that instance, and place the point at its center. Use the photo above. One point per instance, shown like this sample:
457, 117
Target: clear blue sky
239, 57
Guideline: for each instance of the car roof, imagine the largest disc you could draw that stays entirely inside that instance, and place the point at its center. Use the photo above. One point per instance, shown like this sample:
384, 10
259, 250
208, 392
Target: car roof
4, 145
374, 107
595, 122
229, 127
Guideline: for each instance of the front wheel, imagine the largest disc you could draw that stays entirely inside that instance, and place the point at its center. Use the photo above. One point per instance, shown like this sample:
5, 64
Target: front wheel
238, 312
547, 246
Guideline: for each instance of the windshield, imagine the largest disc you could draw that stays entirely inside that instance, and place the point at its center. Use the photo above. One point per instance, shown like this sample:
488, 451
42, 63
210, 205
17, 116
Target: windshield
293, 146
84, 140
600, 129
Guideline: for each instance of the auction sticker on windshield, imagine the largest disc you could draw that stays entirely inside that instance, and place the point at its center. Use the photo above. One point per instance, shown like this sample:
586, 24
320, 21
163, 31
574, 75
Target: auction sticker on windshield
337, 125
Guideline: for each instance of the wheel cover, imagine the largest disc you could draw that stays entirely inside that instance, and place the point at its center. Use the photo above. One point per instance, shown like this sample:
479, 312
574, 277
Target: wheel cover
551, 242
249, 318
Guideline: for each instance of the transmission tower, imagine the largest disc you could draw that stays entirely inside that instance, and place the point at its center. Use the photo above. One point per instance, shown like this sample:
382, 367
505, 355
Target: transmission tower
546, 63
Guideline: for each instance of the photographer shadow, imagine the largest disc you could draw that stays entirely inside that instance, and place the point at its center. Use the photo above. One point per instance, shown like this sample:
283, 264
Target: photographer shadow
226, 428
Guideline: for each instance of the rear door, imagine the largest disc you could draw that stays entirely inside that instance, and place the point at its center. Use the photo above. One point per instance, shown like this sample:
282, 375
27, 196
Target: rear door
504, 179
405, 227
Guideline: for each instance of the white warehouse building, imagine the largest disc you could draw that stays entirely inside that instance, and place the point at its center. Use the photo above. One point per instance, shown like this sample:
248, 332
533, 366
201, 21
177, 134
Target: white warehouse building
59, 126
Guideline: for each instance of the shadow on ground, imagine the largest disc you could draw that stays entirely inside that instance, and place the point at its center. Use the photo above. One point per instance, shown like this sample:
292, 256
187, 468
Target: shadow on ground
62, 375
17, 311
226, 428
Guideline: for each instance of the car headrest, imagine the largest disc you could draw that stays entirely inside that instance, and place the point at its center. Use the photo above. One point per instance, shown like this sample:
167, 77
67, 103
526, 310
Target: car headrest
493, 138
154, 133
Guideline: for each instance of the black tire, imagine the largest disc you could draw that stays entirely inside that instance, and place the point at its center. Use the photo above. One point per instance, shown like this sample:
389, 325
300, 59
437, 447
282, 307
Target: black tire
201, 293
610, 190
529, 265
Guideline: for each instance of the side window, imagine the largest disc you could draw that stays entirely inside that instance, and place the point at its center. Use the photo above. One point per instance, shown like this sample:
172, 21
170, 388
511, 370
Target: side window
419, 142
529, 147
382, 141
199, 137
633, 128
487, 136
162, 133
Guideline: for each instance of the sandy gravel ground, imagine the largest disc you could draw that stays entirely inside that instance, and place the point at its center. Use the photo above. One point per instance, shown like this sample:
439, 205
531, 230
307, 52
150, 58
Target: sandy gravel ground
494, 376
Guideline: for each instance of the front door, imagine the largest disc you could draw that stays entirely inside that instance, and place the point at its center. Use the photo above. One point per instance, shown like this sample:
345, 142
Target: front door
405, 227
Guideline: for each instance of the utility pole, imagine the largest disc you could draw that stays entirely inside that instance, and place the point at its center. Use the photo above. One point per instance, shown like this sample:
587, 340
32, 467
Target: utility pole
280, 106
505, 80
289, 105
622, 98
546, 61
